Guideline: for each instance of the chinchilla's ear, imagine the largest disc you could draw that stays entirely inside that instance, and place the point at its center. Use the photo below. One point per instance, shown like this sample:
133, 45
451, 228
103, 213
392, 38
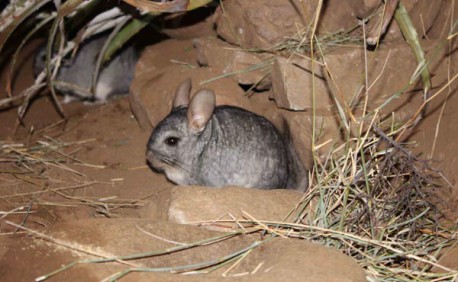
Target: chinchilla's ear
182, 94
200, 110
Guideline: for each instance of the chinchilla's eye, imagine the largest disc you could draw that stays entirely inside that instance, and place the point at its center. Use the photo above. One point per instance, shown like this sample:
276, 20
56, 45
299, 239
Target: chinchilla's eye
172, 141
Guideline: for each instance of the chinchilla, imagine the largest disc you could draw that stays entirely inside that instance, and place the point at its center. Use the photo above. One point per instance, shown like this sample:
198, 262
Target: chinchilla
199, 143
74, 78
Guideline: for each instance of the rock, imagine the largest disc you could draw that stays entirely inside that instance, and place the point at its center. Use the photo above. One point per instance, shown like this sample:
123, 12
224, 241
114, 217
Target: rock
337, 15
279, 258
439, 24
256, 24
316, 263
292, 85
292, 89
156, 207
386, 75
194, 203
300, 128
246, 68
189, 25
424, 16
343, 80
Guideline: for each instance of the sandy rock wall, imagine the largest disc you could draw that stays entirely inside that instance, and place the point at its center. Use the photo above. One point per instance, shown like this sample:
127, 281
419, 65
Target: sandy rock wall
264, 24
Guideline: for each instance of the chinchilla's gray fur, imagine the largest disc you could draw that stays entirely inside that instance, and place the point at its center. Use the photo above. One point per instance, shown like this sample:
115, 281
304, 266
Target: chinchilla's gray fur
234, 147
74, 77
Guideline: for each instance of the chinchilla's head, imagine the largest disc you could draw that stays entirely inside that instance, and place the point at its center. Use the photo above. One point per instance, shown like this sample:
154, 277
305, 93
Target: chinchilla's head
39, 61
176, 142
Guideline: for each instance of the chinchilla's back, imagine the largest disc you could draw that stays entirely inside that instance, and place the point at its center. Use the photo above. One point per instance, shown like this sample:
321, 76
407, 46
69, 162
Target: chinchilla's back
77, 73
250, 150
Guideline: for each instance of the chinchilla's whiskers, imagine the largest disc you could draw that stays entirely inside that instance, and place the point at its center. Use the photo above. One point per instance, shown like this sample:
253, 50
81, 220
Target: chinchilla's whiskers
174, 162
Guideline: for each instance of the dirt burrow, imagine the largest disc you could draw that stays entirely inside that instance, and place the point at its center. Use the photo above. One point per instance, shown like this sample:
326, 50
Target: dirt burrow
113, 151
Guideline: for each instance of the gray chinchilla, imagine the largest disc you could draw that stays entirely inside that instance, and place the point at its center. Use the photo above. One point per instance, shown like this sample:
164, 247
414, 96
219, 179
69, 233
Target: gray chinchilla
200, 144
74, 78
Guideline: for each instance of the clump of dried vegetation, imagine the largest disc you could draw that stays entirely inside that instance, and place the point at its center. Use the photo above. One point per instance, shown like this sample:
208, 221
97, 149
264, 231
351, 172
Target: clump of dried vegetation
367, 197
69, 23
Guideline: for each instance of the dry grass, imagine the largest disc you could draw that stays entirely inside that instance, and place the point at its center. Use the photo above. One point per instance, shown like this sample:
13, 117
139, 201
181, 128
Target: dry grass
299, 43
48, 167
